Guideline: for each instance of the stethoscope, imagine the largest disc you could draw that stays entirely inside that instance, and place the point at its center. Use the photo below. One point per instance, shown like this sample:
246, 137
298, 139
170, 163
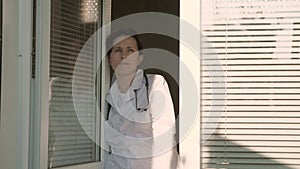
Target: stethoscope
141, 109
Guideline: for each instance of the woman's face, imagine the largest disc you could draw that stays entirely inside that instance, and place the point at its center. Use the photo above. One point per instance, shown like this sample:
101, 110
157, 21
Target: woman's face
124, 57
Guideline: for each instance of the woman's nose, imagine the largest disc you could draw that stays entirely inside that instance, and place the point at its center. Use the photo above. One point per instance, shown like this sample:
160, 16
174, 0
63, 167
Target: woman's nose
124, 55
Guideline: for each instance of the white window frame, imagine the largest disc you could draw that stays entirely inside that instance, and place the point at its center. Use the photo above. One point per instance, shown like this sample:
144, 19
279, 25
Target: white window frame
40, 88
190, 144
189, 147
24, 57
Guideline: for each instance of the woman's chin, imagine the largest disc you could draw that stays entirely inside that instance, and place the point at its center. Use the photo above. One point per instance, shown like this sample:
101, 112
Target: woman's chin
124, 70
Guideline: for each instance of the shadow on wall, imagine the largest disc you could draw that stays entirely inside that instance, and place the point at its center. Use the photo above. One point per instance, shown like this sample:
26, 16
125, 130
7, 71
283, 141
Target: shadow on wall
238, 156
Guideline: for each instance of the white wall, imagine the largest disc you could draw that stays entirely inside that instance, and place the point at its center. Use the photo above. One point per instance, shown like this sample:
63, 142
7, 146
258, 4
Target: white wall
9, 94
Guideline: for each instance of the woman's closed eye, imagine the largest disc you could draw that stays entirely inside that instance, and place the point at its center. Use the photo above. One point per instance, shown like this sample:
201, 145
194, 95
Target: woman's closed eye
131, 50
117, 50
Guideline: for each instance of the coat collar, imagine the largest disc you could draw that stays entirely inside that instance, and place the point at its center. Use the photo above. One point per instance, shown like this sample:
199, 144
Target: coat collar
137, 83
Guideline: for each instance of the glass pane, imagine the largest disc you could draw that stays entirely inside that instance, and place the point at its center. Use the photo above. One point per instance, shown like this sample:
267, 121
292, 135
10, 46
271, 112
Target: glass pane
72, 108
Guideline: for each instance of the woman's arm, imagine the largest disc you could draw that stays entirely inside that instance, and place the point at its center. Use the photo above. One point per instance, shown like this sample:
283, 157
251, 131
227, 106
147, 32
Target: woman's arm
162, 110
163, 116
148, 139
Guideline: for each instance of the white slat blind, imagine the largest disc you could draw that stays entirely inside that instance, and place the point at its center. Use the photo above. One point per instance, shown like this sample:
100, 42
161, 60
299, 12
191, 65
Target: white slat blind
72, 23
251, 84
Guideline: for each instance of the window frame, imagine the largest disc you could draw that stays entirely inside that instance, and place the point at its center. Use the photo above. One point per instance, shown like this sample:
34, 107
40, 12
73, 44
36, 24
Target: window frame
189, 145
39, 120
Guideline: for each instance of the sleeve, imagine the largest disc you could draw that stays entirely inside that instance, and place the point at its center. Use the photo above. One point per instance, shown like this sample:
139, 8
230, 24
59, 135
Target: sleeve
163, 116
162, 110
126, 145
128, 138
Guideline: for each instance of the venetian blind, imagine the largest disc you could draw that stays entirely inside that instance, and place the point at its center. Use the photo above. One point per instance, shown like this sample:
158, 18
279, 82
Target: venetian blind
251, 84
72, 23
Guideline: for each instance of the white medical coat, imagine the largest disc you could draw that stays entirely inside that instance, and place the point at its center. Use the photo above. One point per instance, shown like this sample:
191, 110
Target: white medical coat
141, 139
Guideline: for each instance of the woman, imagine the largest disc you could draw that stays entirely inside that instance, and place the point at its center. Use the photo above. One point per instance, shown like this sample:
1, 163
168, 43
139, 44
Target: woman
140, 129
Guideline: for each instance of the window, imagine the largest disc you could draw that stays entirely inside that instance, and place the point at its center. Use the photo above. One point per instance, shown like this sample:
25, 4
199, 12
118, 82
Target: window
251, 84
71, 127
